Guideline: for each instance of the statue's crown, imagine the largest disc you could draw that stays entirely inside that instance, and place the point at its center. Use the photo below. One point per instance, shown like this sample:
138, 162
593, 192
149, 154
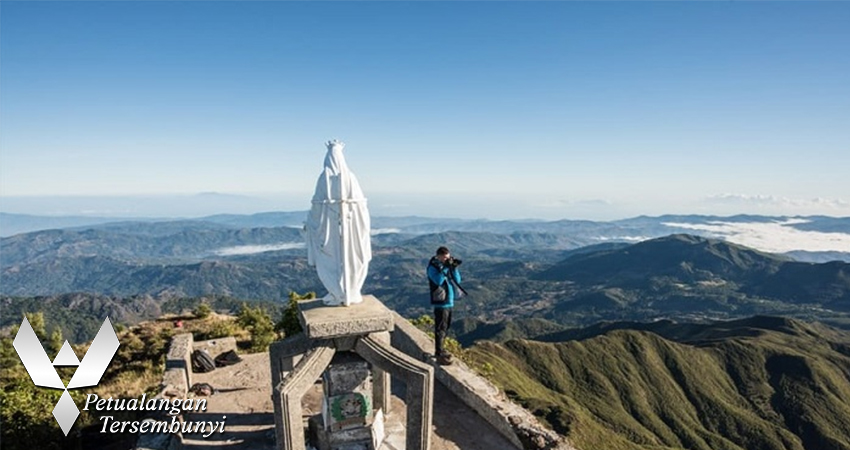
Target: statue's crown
335, 145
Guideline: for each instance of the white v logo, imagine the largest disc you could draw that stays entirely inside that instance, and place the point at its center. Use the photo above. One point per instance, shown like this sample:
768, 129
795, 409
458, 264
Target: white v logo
43, 372
35, 359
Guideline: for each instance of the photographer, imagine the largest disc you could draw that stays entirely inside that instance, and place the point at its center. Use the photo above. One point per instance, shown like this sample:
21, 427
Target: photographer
444, 281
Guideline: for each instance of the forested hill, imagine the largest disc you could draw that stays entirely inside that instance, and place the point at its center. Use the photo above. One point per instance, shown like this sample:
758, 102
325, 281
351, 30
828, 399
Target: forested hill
696, 261
760, 383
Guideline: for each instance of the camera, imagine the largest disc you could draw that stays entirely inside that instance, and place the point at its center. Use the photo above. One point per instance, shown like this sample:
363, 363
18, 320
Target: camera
453, 262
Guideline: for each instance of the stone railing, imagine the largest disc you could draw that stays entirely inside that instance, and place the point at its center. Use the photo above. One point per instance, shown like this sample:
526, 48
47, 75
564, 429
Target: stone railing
177, 378
175, 384
514, 422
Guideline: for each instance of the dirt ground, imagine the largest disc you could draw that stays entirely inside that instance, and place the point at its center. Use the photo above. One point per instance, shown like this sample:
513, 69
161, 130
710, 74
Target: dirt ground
244, 397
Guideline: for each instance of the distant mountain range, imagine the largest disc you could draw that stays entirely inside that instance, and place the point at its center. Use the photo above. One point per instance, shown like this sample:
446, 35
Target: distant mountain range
829, 237
689, 262
757, 383
533, 273
166, 242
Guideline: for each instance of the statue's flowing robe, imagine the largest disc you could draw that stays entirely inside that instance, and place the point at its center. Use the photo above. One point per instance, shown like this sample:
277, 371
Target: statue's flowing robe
338, 231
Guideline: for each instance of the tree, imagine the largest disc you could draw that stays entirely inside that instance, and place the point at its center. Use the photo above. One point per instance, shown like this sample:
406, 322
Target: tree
55, 342
36, 321
259, 324
202, 311
289, 324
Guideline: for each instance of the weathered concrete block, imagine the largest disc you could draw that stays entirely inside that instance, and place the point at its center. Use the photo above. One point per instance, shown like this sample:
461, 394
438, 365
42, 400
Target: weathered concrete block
178, 361
216, 346
348, 372
176, 380
322, 322
347, 385
181, 346
358, 438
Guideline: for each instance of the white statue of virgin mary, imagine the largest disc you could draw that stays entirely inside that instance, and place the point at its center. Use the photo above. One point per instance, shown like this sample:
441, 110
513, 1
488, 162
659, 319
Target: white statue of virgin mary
337, 231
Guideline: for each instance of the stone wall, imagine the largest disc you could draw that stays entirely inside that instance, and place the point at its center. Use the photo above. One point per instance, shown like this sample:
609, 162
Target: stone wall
178, 366
216, 346
514, 422
175, 384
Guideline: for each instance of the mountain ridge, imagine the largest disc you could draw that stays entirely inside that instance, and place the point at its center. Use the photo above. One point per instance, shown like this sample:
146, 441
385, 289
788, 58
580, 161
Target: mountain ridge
583, 232
768, 383
678, 276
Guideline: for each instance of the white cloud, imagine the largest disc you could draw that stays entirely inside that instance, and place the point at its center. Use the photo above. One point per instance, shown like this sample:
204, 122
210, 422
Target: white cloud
252, 249
774, 237
378, 231
773, 201
623, 238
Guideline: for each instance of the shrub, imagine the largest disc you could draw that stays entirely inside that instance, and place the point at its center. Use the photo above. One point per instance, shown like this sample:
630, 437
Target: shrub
202, 311
289, 324
259, 324
217, 329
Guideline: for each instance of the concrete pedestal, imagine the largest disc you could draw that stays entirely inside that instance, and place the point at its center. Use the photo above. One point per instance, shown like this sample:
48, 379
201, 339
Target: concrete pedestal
325, 322
351, 400
347, 385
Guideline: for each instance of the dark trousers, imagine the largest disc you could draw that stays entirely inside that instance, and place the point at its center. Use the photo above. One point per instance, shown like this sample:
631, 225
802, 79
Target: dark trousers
442, 322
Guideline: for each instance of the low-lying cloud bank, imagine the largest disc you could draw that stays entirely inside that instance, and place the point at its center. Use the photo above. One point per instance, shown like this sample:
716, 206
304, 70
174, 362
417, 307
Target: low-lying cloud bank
773, 237
252, 249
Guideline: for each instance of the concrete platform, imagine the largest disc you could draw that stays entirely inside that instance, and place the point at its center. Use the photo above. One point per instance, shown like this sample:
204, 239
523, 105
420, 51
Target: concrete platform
244, 396
323, 322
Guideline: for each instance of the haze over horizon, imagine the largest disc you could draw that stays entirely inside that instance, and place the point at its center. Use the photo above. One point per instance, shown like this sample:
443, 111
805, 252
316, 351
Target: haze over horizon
483, 207
552, 110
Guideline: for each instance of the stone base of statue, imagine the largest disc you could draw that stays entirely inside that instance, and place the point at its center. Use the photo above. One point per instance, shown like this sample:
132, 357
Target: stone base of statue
332, 300
349, 348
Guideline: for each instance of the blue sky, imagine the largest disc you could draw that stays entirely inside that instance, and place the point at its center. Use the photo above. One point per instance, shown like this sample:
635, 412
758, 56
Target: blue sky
473, 109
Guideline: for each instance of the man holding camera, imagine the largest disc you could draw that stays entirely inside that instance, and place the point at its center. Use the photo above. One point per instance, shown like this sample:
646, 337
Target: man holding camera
444, 281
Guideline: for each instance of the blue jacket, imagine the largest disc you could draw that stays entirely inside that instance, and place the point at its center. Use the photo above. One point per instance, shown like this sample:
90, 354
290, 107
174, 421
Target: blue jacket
439, 274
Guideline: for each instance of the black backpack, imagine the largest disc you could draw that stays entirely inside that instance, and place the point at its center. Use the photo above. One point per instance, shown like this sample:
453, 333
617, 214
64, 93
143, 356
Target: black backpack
227, 358
439, 294
202, 361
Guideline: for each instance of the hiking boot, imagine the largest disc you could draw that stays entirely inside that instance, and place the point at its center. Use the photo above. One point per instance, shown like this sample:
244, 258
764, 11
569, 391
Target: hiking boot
444, 360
